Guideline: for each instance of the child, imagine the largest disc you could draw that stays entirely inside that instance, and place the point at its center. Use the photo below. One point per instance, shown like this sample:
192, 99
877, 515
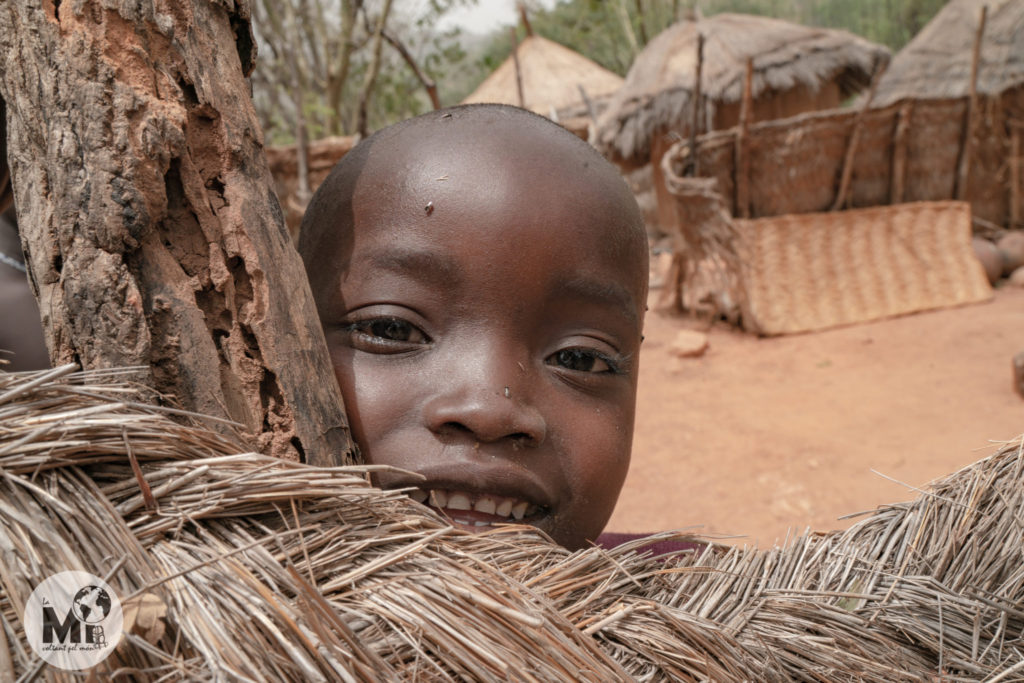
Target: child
481, 277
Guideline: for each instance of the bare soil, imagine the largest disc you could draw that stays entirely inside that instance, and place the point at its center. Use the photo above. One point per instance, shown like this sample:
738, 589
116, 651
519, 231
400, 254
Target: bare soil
763, 437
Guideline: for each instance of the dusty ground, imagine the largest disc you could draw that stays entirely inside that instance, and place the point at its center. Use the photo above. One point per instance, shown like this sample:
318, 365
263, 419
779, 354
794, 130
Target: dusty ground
760, 436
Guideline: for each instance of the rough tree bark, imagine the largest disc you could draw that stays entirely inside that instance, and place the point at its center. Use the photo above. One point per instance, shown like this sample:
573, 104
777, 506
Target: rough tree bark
148, 218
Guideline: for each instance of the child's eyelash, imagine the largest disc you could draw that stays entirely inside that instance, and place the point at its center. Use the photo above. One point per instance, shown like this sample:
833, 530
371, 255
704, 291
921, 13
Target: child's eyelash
385, 330
617, 365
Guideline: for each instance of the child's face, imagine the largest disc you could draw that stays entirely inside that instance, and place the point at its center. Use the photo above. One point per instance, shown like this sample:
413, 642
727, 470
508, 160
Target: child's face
484, 318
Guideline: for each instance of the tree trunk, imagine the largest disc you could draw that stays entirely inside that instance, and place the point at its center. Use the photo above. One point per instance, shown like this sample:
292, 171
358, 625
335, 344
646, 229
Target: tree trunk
151, 230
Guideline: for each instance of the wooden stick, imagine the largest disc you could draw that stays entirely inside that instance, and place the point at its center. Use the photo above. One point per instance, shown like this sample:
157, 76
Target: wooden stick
693, 164
640, 21
519, 74
525, 18
426, 81
627, 27
966, 142
901, 139
851, 147
591, 111
742, 158
1015, 174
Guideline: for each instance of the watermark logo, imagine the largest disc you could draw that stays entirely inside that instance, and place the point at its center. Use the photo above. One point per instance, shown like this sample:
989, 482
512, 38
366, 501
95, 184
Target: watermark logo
73, 620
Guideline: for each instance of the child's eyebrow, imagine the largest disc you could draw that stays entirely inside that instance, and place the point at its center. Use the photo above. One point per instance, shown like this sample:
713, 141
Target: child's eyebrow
604, 292
430, 267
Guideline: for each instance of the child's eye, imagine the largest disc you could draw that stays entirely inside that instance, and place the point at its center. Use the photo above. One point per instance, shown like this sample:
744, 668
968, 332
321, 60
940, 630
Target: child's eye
383, 335
582, 360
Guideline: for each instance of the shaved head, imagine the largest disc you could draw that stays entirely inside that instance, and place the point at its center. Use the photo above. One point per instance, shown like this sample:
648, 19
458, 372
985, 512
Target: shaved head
413, 162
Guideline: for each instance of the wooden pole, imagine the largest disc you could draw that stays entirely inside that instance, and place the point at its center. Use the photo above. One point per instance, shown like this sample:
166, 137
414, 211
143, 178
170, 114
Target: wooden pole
519, 74
851, 147
525, 18
627, 26
1016, 174
641, 22
901, 139
693, 164
963, 171
591, 111
742, 155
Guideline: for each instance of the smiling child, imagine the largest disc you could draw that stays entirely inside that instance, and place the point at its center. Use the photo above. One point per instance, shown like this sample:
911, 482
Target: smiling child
481, 277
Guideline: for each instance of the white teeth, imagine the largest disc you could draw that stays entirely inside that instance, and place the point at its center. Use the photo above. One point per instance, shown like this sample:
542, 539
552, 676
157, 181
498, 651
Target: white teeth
458, 501
504, 508
486, 505
439, 499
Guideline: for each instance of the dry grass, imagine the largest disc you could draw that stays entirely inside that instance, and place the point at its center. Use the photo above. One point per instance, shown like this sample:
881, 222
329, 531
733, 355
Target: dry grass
279, 571
936, 64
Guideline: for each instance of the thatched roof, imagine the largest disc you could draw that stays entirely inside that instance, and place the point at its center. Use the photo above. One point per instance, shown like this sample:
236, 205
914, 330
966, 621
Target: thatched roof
658, 87
936, 64
551, 74
245, 567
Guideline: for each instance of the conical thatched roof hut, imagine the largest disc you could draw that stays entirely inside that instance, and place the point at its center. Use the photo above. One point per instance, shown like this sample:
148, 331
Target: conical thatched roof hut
552, 76
936, 64
796, 68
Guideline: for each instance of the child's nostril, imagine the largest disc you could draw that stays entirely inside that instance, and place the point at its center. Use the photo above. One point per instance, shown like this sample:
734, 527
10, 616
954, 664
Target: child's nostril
456, 427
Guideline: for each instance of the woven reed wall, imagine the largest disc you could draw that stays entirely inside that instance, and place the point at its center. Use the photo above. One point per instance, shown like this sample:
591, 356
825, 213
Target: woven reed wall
322, 155
933, 149
819, 270
796, 163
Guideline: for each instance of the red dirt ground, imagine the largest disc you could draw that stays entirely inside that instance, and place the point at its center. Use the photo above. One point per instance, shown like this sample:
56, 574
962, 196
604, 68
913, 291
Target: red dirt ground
761, 436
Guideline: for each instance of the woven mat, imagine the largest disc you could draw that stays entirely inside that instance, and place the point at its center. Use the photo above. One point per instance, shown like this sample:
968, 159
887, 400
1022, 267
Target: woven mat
807, 272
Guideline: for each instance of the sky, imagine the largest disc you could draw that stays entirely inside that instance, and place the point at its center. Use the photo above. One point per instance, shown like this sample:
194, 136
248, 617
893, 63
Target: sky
487, 15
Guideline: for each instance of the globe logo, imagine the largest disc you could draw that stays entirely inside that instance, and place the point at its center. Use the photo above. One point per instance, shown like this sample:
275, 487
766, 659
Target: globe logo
91, 604
73, 620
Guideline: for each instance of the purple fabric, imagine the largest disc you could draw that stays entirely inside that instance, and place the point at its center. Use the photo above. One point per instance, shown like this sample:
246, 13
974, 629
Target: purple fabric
609, 540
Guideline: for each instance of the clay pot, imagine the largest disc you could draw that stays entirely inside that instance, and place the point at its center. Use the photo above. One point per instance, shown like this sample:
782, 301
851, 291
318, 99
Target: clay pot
1011, 248
990, 258
1016, 278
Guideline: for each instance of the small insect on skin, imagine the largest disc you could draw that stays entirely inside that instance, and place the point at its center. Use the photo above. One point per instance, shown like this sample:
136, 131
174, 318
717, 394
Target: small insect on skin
429, 208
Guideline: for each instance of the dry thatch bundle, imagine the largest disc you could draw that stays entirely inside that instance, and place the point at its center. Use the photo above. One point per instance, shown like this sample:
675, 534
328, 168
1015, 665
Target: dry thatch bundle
706, 272
272, 570
659, 86
936, 64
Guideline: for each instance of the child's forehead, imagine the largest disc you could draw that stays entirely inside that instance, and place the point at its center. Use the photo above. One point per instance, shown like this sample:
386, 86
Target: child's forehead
511, 145
464, 162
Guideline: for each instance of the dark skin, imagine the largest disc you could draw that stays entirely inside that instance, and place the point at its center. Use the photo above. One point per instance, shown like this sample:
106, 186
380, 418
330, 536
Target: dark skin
481, 277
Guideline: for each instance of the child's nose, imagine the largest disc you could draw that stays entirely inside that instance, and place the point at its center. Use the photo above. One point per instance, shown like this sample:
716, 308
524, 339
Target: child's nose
486, 410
